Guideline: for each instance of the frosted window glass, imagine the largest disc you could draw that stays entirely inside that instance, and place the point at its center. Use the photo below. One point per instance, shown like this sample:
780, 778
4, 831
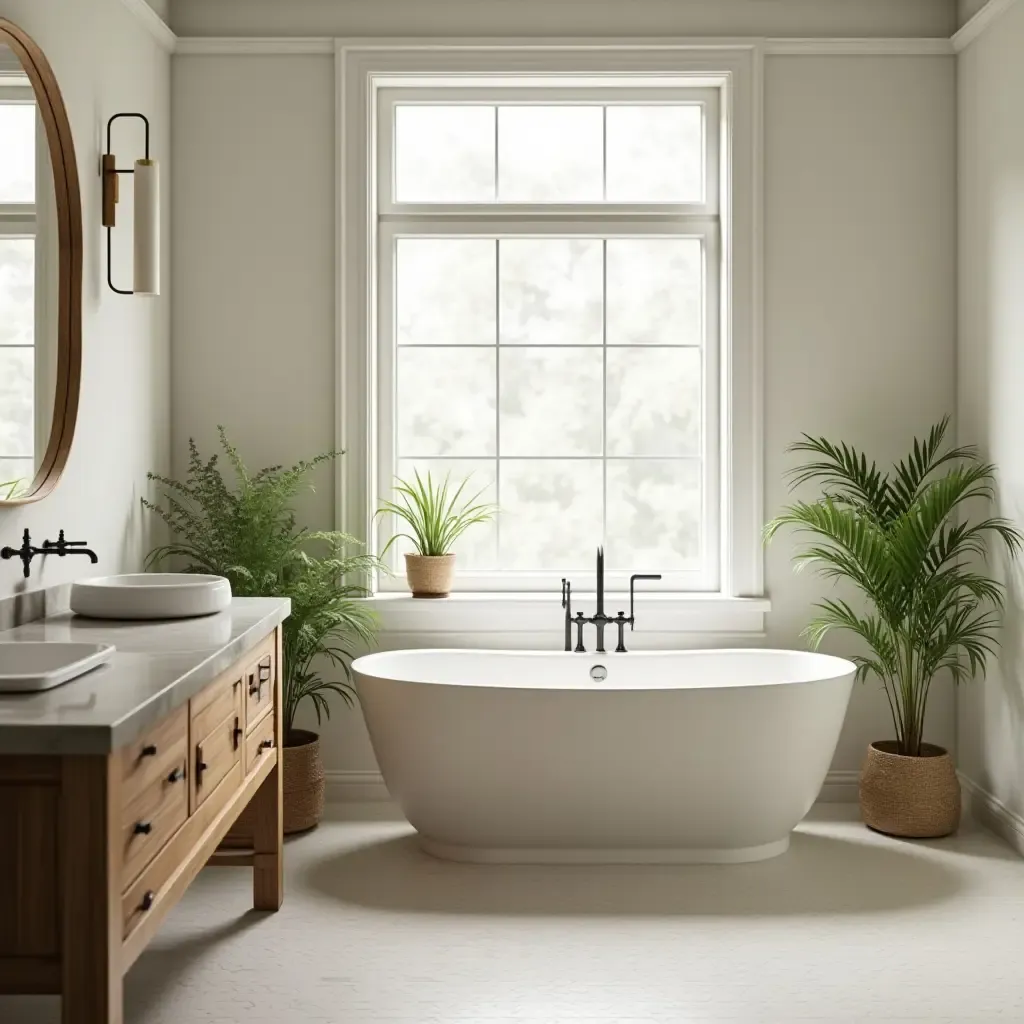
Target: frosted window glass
550, 154
551, 513
655, 154
445, 291
655, 291
444, 153
446, 401
654, 514
551, 291
654, 401
551, 401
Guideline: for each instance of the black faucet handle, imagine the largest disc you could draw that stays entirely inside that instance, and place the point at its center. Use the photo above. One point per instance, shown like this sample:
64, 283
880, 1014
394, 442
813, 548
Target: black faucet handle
566, 592
632, 582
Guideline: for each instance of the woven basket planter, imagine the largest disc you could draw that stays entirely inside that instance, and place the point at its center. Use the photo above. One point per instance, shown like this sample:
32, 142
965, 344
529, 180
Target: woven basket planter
430, 575
910, 797
303, 782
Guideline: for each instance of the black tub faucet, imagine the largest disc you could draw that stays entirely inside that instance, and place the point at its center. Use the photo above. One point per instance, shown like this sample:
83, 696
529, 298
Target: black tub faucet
599, 620
59, 547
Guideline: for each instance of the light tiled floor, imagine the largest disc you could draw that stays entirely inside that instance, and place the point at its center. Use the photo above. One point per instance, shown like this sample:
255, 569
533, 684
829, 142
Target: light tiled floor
848, 926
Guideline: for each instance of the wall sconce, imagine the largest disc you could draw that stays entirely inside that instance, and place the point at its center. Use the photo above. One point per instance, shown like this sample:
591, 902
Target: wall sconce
146, 173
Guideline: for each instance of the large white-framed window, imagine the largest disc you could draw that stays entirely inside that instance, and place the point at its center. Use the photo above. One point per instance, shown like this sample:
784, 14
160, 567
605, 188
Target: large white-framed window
537, 300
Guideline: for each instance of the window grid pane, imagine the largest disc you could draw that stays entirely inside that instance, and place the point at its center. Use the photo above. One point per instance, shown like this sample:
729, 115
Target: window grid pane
643, 442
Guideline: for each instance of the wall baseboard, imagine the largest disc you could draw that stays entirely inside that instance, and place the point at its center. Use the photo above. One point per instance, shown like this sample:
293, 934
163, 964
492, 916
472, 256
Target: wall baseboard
991, 812
977, 26
158, 28
354, 787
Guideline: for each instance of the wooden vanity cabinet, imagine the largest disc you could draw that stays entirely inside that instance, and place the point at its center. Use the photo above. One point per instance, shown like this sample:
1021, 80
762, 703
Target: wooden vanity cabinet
95, 850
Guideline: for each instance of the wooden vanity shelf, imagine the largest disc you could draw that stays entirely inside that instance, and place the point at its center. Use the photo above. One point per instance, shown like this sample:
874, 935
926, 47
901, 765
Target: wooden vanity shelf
96, 849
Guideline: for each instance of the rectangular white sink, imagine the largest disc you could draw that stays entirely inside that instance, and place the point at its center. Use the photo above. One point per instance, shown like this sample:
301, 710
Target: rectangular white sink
29, 666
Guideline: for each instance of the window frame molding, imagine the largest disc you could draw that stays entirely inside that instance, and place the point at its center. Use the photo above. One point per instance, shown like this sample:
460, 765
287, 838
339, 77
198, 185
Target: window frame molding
364, 68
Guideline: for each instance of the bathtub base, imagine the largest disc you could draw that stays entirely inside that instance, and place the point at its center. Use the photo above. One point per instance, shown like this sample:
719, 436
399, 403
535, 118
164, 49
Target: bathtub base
599, 855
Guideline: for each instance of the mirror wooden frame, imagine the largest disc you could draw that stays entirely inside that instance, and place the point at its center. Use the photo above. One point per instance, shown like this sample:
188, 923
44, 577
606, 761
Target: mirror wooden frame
69, 260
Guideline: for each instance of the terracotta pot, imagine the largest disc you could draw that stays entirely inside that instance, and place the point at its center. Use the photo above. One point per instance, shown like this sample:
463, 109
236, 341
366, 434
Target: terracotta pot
303, 782
911, 797
430, 575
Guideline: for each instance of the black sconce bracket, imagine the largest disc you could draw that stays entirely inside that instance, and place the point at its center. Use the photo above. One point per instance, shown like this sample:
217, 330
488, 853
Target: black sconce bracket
111, 190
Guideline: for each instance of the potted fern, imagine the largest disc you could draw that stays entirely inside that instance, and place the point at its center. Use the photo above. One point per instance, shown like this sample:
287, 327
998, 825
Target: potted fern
904, 541
437, 514
249, 533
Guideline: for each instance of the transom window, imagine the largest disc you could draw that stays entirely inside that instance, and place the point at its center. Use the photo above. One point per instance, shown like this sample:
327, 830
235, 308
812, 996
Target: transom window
548, 323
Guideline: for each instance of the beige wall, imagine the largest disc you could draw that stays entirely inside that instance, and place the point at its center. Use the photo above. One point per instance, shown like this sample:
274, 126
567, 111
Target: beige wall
106, 62
859, 276
991, 367
967, 9
565, 17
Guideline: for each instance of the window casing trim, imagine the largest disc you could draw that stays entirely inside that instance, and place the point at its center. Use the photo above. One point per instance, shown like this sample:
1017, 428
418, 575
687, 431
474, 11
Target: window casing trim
364, 70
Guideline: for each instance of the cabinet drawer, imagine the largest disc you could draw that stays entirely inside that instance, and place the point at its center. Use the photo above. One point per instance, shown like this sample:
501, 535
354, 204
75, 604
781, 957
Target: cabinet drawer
261, 682
214, 756
151, 819
149, 888
149, 760
218, 701
259, 743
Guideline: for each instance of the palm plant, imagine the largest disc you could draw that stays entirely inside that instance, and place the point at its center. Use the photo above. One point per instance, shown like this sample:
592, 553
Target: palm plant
249, 534
437, 514
903, 540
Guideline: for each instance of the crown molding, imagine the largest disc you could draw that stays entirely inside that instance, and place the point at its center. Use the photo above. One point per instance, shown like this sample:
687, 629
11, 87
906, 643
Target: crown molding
156, 25
974, 28
213, 46
887, 47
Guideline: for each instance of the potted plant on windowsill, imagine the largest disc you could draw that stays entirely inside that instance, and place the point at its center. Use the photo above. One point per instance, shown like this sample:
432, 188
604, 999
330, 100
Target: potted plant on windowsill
437, 515
905, 543
249, 534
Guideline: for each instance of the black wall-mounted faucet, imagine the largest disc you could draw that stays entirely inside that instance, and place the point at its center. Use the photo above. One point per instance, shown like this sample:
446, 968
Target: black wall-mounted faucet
59, 547
599, 620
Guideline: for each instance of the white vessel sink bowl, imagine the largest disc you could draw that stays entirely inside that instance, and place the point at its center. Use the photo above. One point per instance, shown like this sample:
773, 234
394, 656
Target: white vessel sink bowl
29, 666
151, 596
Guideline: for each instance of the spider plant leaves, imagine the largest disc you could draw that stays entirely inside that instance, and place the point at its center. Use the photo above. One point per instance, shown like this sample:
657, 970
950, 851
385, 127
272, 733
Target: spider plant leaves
435, 513
248, 532
902, 538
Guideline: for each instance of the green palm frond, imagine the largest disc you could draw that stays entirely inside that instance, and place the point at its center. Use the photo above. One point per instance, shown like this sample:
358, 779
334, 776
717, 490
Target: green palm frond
903, 541
436, 513
249, 533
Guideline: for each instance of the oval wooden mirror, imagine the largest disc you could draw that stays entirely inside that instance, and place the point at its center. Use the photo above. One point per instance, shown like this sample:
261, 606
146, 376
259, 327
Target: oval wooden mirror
40, 273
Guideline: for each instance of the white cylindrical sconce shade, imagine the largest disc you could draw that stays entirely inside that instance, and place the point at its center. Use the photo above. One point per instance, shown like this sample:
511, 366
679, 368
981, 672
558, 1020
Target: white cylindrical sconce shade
147, 227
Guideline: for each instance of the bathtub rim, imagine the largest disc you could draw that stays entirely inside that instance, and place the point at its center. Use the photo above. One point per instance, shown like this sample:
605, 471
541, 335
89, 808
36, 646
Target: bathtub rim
841, 668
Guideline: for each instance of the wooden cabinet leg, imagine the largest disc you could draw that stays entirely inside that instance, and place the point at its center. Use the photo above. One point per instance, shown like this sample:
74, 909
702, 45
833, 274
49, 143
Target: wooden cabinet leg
268, 815
91, 982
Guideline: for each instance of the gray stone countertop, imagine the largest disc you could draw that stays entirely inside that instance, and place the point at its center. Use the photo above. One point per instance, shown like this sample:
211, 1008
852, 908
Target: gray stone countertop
157, 667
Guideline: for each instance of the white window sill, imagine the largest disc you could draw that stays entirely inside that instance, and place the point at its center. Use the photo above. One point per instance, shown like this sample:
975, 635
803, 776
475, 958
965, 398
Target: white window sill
471, 618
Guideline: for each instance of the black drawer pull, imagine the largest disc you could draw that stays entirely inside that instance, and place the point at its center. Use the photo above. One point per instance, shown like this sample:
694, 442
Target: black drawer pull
147, 751
176, 776
256, 689
200, 765
236, 733
148, 900
143, 828
265, 745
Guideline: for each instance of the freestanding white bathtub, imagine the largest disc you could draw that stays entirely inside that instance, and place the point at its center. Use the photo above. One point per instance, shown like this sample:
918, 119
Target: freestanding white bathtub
672, 757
